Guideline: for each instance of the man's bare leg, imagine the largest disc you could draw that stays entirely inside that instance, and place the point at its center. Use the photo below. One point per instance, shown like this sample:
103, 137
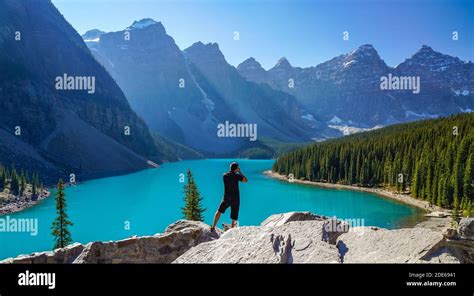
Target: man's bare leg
217, 215
234, 223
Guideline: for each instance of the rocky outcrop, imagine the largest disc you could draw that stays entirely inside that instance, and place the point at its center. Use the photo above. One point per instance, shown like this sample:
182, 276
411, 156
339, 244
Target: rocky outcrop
378, 245
291, 242
64, 255
466, 228
281, 219
295, 237
159, 248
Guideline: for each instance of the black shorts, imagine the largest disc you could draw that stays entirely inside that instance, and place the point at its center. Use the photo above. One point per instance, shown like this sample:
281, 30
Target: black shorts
234, 205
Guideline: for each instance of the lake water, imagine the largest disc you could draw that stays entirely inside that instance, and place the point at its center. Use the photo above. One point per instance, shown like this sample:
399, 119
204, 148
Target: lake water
150, 200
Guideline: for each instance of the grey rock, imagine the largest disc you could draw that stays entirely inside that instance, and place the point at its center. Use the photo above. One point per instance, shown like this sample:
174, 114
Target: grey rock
296, 237
280, 219
378, 245
292, 242
64, 255
466, 228
441, 255
160, 248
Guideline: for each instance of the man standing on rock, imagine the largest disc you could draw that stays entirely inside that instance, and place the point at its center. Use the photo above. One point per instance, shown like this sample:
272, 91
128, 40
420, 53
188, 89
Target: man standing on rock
231, 195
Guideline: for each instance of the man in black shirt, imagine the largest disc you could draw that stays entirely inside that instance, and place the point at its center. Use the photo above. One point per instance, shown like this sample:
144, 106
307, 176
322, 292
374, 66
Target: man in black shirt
231, 194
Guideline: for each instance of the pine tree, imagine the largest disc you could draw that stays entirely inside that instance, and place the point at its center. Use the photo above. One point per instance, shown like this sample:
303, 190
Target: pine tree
34, 185
455, 213
2, 178
14, 183
468, 179
23, 182
60, 231
192, 209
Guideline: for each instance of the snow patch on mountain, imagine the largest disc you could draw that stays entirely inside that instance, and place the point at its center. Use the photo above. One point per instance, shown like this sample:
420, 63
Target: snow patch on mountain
205, 99
92, 40
142, 23
464, 92
420, 115
335, 120
349, 130
309, 117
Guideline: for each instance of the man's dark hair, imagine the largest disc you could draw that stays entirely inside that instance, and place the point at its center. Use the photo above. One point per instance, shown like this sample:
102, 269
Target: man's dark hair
233, 166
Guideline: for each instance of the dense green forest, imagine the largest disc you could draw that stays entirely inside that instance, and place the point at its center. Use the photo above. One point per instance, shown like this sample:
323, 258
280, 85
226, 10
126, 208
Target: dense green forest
432, 160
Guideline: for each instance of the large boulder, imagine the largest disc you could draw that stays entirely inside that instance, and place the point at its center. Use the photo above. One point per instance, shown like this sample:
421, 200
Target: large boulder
466, 228
291, 242
161, 248
378, 245
283, 218
331, 230
441, 255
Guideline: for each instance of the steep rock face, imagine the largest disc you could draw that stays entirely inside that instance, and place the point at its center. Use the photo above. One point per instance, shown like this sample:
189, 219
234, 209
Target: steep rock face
447, 84
49, 47
155, 76
184, 94
277, 114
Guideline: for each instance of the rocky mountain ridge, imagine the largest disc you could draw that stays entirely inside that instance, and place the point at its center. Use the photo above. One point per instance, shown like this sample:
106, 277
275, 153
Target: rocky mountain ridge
349, 86
181, 94
58, 131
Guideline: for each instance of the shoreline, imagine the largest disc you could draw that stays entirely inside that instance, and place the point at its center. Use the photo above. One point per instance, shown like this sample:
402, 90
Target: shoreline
21, 205
436, 217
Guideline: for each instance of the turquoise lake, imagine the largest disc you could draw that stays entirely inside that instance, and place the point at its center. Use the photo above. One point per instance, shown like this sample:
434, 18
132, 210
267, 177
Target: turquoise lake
150, 200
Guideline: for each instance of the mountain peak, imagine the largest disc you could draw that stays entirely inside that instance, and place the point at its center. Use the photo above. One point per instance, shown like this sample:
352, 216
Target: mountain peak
202, 46
251, 70
366, 49
92, 35
209, 51
143, 23
250, 63
283, 63
425, 48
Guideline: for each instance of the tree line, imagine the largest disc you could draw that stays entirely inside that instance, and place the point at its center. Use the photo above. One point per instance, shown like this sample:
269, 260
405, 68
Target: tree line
432, 160
17, 182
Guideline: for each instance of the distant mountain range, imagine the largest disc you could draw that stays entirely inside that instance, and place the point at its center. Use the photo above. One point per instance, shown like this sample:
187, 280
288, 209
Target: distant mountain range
346, 90
289, 104
184, 95
181, 97
58, 132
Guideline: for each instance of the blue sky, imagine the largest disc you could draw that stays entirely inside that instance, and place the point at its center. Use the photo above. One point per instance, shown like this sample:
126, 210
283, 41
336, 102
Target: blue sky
307, 32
